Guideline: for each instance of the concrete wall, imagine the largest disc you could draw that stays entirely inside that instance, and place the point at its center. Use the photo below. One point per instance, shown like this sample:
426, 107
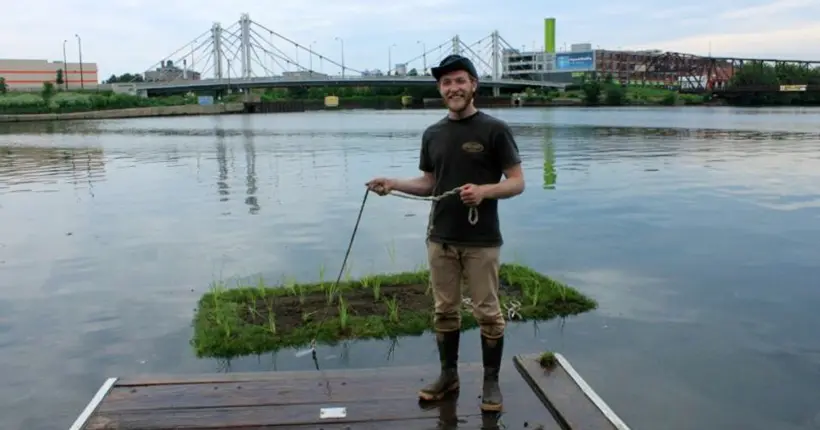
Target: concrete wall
30, 74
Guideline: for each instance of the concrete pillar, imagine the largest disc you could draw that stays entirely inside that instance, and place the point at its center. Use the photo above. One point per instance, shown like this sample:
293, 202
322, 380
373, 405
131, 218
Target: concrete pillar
245, 44
496, 56
216, 38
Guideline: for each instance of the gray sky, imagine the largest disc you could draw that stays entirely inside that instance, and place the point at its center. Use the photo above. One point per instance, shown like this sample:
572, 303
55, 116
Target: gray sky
133, 35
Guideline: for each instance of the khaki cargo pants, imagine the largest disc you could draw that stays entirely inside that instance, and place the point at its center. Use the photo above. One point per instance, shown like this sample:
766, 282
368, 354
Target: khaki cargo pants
477, 267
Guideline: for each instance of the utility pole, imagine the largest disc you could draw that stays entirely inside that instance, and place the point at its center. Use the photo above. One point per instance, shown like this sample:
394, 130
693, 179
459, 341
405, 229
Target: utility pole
423, 56
390, 58
65, 66
310, 48
80, 45
343, 54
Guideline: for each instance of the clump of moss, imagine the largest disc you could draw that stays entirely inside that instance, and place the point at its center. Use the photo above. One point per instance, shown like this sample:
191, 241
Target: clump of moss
547, 360
253, 319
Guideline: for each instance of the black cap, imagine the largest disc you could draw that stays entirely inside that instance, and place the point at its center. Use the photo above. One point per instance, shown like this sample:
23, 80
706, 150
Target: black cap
451, 63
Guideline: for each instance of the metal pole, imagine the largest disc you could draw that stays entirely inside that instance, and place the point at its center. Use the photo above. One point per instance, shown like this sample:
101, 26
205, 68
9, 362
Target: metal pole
80, 45
65, 67
310, 47
343, 54
423, 56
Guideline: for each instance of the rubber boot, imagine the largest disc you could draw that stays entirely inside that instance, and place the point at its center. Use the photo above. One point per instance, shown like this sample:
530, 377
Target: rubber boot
448, 378
491, 350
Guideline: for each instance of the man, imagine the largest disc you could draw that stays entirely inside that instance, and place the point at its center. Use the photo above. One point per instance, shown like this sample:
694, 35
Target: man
468, 149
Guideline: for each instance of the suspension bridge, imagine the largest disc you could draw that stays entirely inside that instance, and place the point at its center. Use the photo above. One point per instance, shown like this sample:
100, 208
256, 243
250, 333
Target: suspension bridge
244, 55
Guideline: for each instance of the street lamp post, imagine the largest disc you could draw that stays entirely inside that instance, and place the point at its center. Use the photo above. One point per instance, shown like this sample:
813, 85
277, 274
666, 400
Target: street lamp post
343, 54
65, 66
390, 58
310, 48
80, 46
423, 56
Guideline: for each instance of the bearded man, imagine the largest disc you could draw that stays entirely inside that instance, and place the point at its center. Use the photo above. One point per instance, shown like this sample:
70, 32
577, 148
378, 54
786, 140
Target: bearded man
471, 150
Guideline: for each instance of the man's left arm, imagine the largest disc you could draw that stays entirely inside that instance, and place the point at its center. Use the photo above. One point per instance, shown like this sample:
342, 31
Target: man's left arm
506, 149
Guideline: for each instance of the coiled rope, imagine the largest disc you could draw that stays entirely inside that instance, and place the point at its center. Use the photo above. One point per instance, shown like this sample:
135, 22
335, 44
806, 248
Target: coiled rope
472, 214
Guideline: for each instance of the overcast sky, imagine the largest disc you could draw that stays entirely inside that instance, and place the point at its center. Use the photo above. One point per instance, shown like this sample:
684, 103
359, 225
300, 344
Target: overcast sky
134, 35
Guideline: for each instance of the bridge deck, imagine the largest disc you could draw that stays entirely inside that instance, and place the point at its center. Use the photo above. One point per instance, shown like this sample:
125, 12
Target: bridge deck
338, 399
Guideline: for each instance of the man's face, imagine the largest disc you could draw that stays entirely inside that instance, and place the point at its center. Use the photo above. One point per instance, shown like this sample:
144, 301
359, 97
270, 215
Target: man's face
457, 89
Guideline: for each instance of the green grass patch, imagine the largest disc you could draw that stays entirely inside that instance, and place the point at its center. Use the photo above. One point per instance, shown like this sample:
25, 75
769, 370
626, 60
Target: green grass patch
253, 319
547, 360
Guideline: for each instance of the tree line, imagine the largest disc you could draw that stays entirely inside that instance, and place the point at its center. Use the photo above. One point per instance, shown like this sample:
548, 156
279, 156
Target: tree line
764, 75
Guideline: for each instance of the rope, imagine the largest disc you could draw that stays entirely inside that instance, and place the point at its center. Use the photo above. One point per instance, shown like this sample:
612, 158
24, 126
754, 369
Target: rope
472, 217
472, 214
350, 245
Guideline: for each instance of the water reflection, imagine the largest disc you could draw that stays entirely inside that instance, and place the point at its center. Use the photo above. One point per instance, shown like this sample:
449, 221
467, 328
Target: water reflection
34, 165
250, 169
550, 175
222, 161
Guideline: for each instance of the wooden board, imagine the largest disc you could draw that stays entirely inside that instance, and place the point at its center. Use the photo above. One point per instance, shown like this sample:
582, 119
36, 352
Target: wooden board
573, 403
371, 399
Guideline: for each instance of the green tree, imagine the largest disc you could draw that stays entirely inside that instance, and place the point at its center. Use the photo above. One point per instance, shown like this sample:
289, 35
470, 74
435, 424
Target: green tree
125, 77
764, 81
615, 94
48, 91
592, 92
3, 87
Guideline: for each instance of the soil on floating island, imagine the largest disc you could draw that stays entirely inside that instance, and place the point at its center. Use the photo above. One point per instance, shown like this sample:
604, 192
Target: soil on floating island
231, 322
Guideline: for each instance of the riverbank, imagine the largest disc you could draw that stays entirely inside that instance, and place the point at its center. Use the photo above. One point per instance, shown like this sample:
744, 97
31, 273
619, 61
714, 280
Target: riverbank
155, 111
62, 106
283, 106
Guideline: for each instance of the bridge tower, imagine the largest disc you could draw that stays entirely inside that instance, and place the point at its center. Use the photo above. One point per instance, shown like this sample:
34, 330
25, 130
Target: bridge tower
216, 38
456, 45
245, 44
496, 59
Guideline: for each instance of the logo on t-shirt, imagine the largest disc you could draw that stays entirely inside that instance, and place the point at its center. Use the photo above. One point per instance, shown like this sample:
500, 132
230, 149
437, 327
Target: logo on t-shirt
472, 147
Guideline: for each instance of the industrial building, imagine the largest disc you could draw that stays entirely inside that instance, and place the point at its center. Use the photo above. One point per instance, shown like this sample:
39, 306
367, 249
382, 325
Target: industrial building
168, 72
29, 75
581, 60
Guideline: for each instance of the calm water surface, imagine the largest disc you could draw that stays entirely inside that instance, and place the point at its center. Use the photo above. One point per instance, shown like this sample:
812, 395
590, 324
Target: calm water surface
696, 229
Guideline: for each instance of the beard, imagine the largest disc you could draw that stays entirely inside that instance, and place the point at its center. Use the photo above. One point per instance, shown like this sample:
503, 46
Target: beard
458, 101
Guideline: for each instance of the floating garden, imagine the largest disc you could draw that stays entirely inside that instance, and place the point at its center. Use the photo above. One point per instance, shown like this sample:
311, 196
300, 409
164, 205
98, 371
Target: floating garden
254, 319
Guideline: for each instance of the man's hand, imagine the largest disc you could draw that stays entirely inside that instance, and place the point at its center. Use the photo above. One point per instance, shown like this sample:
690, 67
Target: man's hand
381, 186
472, 194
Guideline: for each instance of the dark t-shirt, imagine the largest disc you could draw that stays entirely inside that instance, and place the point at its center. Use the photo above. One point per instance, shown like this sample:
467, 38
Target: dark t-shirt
473, 150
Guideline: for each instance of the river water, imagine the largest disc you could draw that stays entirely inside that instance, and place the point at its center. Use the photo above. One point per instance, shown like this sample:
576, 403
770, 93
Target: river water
695, 228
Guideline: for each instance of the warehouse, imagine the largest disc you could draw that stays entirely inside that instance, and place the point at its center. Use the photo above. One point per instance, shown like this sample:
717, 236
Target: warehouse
28, 75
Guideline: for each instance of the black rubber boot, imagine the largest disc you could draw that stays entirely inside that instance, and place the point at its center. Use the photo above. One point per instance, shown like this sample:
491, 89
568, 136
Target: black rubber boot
491, 350
448, 378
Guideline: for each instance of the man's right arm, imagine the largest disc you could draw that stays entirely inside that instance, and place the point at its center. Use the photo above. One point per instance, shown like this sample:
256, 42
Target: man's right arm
421, 186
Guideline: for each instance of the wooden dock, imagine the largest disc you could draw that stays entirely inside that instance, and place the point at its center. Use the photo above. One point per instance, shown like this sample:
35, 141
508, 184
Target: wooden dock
383, 398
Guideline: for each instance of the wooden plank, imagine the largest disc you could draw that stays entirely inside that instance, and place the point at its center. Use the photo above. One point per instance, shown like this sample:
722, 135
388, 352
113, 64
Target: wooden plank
373, 398
572, 401
210, 378
305, 387
357, 411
